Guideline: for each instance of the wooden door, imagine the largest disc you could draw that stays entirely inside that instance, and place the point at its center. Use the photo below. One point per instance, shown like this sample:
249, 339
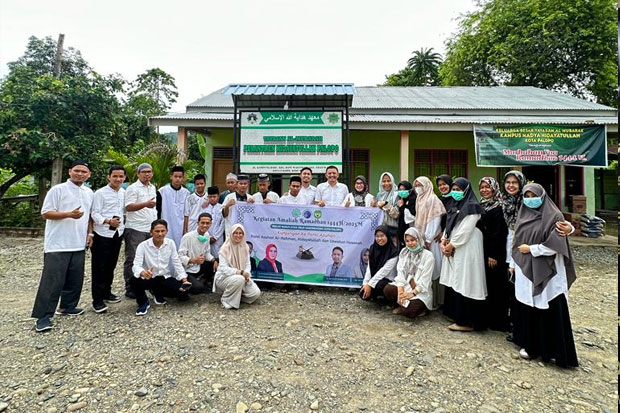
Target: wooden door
221, 167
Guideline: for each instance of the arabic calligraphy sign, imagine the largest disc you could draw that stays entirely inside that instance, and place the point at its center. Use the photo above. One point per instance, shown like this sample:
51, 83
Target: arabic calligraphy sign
283, 142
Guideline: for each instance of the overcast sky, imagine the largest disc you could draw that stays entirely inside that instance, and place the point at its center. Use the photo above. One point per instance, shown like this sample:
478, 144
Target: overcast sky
208, 44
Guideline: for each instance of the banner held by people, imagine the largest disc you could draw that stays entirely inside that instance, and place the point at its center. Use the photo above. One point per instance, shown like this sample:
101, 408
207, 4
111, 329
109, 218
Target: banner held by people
307, 245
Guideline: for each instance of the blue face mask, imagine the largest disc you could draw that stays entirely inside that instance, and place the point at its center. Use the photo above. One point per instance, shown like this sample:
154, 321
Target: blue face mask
457, 195
202, 238
535, 202
416, 249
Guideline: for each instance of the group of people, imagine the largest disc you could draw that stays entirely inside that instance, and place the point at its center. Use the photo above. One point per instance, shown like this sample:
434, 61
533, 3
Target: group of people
501, 262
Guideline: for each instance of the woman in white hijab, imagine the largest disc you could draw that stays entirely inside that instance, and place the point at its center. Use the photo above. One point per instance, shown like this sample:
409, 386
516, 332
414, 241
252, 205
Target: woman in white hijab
232, 278
387, 199
412, 288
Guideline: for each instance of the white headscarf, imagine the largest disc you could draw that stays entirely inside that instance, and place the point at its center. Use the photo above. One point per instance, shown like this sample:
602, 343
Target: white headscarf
237, 254
387, 196
408, 261
427, 205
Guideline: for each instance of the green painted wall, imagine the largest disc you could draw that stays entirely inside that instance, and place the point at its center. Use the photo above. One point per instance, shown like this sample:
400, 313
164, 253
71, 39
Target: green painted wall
219, 137
449, 140
384, 149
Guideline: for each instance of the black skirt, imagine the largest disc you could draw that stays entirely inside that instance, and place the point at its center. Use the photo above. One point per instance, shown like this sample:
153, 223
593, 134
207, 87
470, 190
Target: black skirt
498, 297
464, 311
546, 333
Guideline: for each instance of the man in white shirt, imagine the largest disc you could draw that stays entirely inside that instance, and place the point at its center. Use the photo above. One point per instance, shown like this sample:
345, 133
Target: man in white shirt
107, 216
332, 192
140, 201
157, 267
195, 254
240, 195
216, 231
66, 209
195, 204
171, 204
307, 189
293, 196
264, 195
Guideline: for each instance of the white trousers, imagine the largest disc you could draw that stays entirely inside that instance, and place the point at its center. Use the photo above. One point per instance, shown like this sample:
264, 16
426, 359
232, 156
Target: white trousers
234, 290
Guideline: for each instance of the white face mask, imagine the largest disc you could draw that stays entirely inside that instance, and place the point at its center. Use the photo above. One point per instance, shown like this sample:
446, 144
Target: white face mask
419, 190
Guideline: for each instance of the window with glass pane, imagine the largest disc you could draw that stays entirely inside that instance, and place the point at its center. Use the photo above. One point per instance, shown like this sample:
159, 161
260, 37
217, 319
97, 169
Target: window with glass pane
433, 162
360, 165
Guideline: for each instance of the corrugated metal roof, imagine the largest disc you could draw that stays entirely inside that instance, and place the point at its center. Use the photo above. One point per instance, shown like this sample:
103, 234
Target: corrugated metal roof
473, 119
444, 98
289, 89
477, 98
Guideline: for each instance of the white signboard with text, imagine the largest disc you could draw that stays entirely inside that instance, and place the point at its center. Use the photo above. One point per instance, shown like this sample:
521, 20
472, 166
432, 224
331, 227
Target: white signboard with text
283, 142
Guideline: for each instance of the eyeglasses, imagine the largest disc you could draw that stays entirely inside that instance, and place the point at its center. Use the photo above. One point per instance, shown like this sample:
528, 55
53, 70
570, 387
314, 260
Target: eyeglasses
146, 172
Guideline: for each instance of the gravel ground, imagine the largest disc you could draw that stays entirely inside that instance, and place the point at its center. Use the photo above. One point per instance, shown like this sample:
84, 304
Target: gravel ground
308, 350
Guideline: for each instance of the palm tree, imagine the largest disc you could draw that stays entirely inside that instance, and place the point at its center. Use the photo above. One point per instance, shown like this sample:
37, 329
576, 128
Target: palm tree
425, 67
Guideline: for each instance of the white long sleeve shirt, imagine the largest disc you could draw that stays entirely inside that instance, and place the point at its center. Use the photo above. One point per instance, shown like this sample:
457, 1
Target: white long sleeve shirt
331, 195
108, 203
272, 196
140, 220
308, 193
387, 271
296, 200
367, 200
423, 278
158, 260
192, 248
225, 270
194, 207
557, 284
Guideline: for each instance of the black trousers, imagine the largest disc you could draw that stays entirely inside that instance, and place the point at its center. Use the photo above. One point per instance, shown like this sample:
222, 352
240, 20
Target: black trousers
63, 277
132, 239
377, 291
201, 278
161, 287
103, 262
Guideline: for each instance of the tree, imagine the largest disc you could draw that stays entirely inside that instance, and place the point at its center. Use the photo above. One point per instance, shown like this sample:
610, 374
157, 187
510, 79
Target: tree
565, 46
157, 85
424, 66
422, 70
42, 117
40, 56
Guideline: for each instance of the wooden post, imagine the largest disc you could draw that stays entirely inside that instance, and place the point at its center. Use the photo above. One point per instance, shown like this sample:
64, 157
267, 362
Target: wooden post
182, 144
404, 155
57, 163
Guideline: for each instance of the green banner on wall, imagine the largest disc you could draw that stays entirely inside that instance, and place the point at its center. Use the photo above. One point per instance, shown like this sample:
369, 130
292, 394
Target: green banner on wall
541, 145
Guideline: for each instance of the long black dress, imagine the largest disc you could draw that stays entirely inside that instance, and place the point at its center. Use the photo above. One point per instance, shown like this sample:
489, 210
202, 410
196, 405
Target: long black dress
495, 232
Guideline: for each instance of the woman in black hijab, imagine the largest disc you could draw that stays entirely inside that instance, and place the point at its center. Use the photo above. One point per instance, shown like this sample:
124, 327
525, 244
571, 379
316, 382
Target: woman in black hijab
544, 272
406, 202
381, 268
444, 186
462, 268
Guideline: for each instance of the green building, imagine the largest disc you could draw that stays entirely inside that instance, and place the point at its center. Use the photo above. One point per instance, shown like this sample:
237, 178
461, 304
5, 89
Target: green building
413, 131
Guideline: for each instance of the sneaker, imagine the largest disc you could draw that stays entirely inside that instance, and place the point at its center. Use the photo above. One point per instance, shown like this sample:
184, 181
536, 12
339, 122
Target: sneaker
143, 309
130, 294
100, 308
43, 324
523, 354
159, 300
113, 298
72, 311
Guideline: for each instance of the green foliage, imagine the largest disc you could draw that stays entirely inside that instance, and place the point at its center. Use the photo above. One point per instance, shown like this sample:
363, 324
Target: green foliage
18, 214
80, 115
422, 70
162, 156
613, 165
552, 44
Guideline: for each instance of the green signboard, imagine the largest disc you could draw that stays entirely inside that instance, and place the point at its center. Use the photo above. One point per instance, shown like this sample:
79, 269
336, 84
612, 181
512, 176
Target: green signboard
541, 145
285, 141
